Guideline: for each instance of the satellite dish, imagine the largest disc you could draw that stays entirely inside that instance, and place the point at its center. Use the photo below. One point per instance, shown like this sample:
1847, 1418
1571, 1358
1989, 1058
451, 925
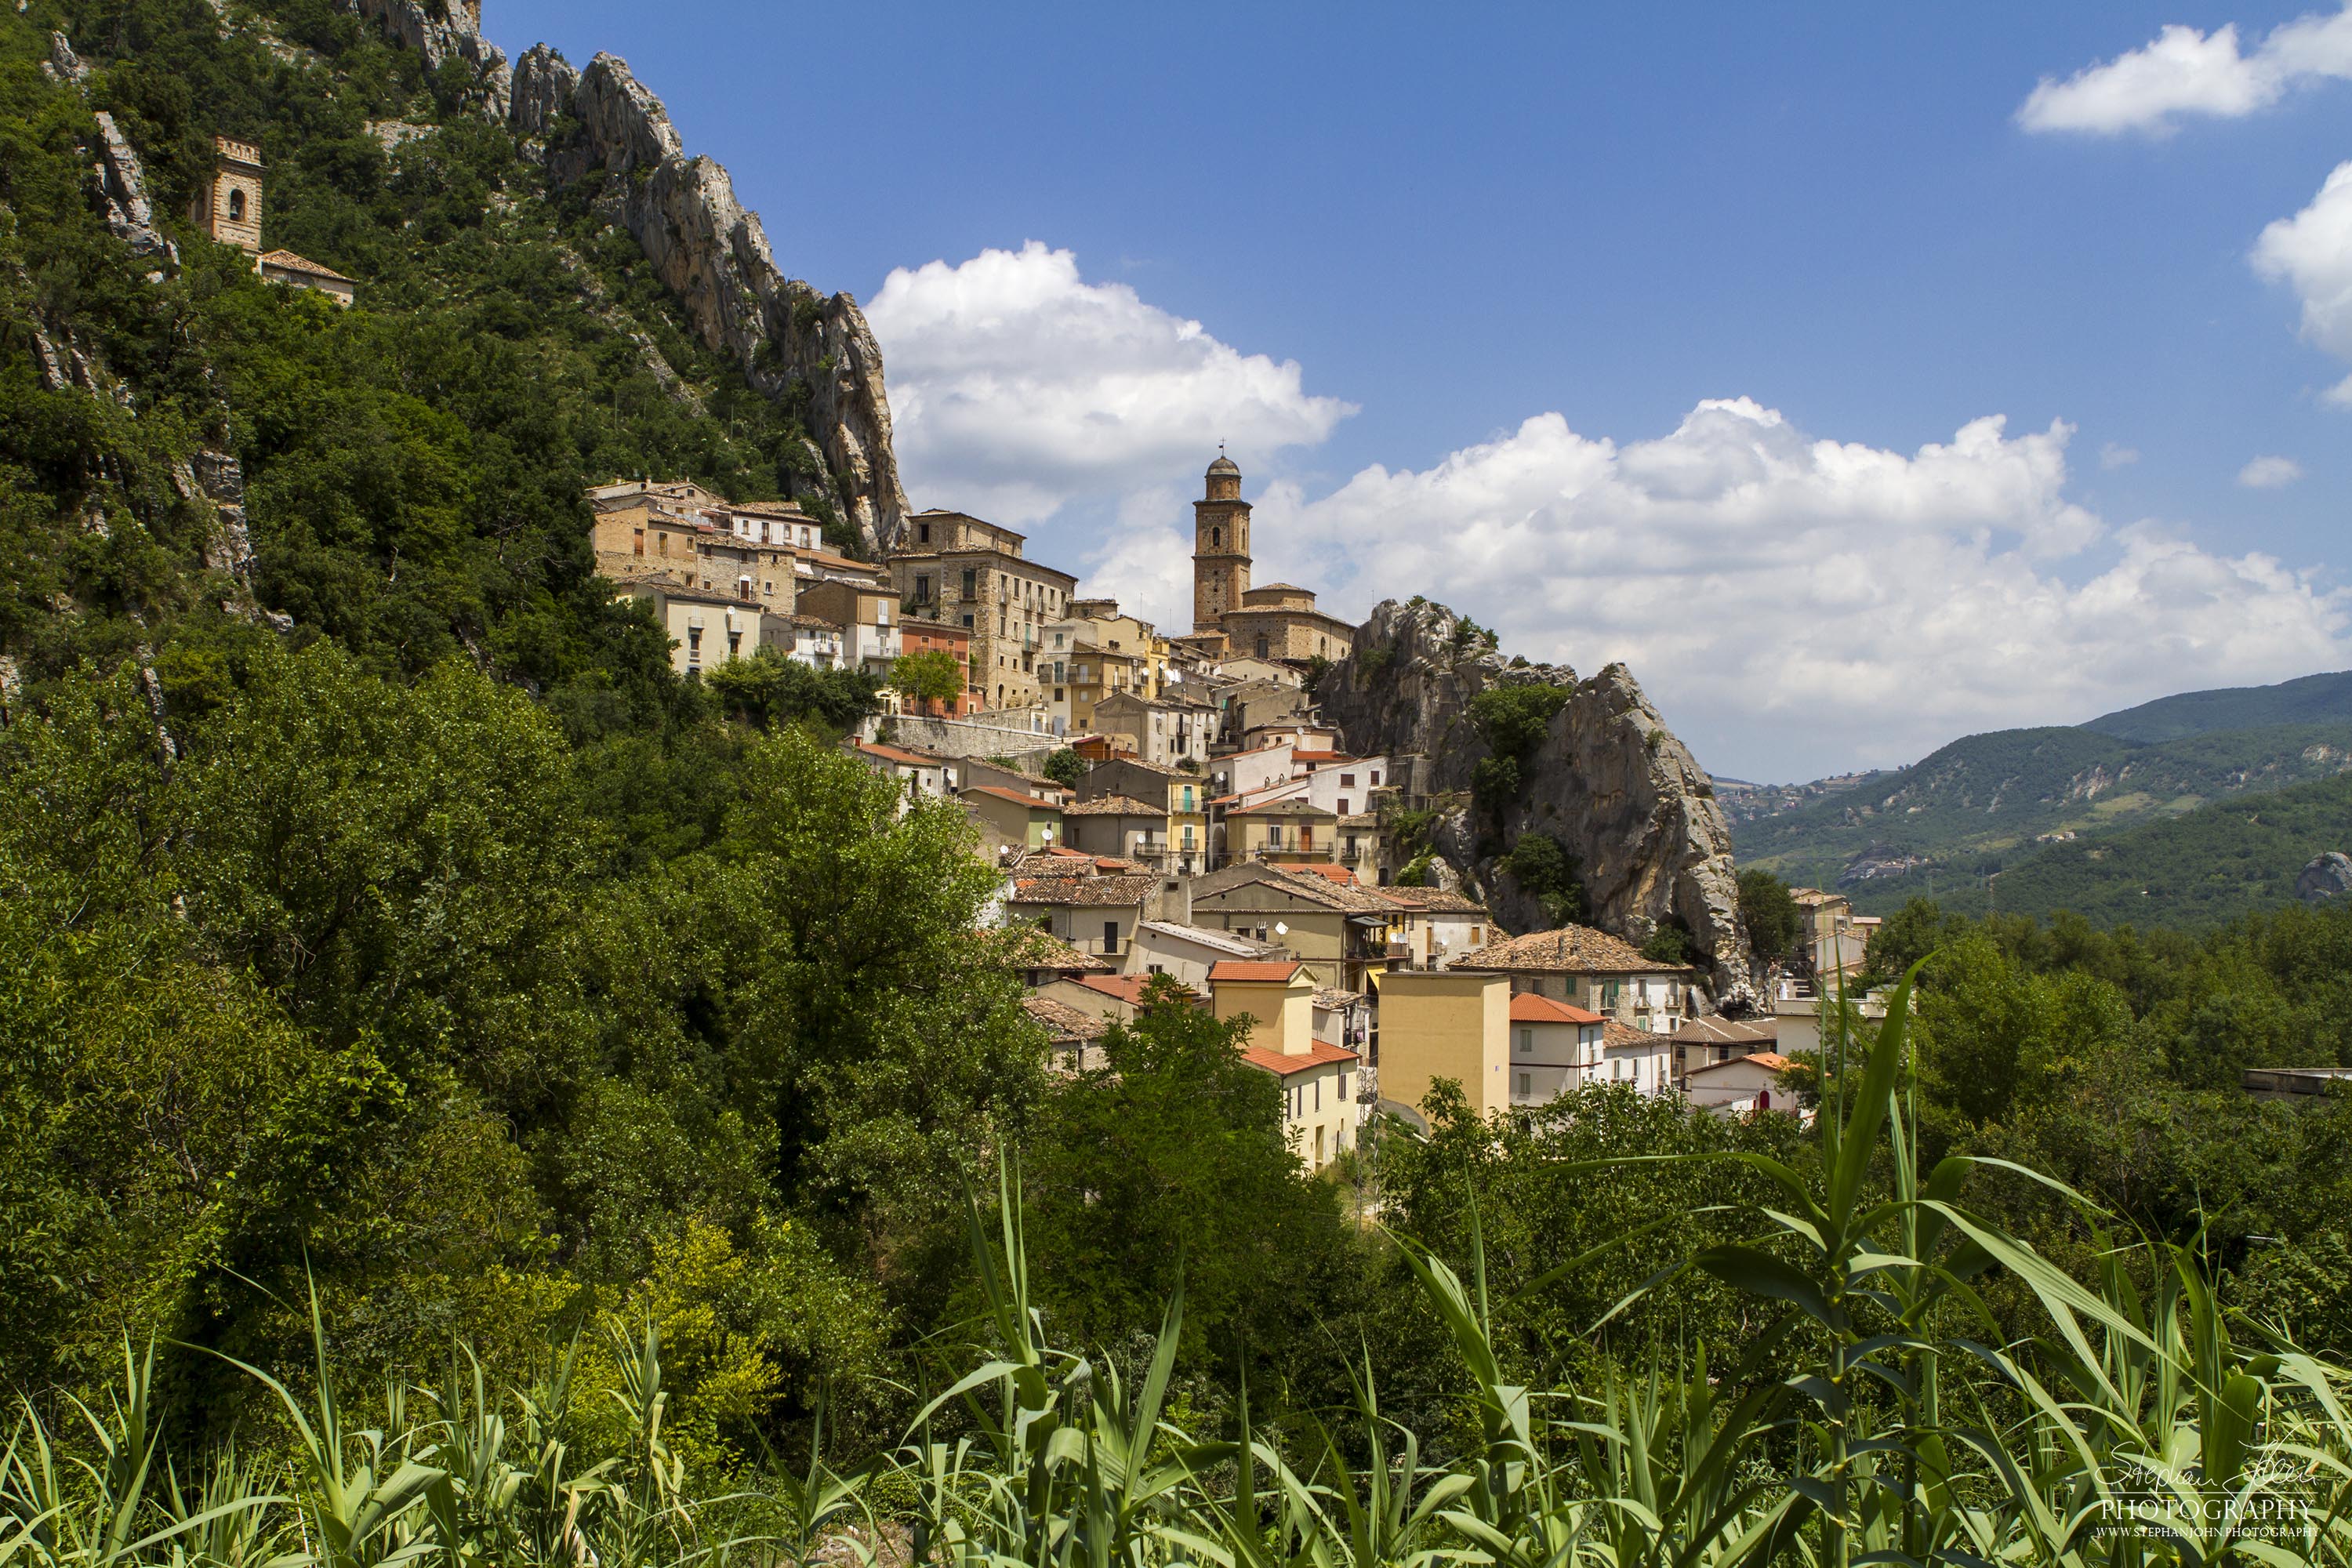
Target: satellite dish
1280, 929
1049, 833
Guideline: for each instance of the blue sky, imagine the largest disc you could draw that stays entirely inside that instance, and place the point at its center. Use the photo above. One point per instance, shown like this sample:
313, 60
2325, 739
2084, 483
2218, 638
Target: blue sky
1456, 223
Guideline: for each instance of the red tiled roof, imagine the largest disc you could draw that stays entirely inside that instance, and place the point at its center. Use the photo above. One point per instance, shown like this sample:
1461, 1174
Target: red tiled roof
290, 262
1128, 988
1241, 972
1532, 1009
1282, 1065
1064, 1021
1014, 795
894, 754
1335, 873
1572, 949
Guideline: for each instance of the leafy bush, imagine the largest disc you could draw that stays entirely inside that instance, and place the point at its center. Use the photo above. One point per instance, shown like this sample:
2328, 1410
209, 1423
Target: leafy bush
1548, 873
1770, 914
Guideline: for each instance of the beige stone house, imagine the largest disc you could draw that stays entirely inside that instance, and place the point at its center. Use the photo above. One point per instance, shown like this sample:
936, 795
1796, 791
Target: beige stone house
1339, 931
964, 571
1319, 1108
1182, 796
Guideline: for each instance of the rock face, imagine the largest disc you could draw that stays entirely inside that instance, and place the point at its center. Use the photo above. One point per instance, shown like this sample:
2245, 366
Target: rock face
1607, 779
122, 185
441, 33
2329, 876
602, 126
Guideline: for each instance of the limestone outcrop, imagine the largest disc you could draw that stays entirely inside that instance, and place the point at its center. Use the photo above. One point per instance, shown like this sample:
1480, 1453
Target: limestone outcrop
1607, 779
442, 32
122, 185
2328, 875
602, 126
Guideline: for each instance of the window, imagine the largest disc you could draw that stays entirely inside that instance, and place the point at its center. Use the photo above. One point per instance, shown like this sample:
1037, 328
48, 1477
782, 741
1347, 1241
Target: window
694, 645
970, 583
1155, 969
236, 206
1216, 538
640, 541
1526, 1041
663, 540
1343, 806
1318, 1101
1110, 936
923, 533
1347, 781
1376, 778
734, 643
923, 590
1527, 1085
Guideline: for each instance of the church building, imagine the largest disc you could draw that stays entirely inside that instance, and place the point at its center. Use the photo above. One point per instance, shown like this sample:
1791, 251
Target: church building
1229, 617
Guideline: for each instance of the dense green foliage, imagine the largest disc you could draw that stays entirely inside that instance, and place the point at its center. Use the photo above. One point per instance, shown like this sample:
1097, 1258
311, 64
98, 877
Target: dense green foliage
1065, 768
1545, 870
2313, 699
1979, 806
933, 675
1769, 913
1512, 720
2216, 864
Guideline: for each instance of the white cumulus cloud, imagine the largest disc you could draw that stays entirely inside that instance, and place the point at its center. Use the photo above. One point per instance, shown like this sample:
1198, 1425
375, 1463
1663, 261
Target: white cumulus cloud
1018, 388
2269, 473
2312, 254
2183, 72
1795, 604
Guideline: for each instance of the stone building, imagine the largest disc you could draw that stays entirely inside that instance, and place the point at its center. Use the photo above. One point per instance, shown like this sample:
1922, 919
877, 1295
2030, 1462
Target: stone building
226, 208
1278, 621
963, 571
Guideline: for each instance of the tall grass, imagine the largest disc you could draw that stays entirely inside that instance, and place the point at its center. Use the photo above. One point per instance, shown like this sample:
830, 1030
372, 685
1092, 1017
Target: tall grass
1877, 1418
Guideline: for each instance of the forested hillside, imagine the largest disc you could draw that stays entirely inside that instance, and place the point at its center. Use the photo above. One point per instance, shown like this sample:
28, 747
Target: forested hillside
2209, 867
1983, 803
469, 1095
2314, 698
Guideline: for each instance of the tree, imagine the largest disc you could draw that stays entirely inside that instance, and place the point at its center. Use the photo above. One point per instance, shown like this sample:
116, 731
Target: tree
932, 676
1547, 872
768, 690
1066, 767
1669, 941
1768, 910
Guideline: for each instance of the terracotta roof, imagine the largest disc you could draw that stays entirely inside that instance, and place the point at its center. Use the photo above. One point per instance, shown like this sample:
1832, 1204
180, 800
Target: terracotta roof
1283, 1064
1128, 988
1014, 795
768, 508
1065, 1022
894, 754
1027, 947
1239, 972
1572, 949
1771, 1061
1616, 1033
1336, 1001
1116, 805
1339, 874
1061, 861
1533, 1009
1281, 809
303, 264
1106, 891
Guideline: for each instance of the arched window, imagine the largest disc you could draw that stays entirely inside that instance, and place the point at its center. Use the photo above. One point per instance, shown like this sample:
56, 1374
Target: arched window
236, 206
1216, 539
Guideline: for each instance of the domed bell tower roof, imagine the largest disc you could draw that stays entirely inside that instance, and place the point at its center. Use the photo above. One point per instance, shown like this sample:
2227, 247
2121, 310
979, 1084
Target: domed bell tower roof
1224, 465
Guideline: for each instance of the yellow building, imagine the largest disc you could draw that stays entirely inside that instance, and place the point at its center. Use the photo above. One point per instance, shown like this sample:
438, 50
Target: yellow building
1319, 1080
1445, 1024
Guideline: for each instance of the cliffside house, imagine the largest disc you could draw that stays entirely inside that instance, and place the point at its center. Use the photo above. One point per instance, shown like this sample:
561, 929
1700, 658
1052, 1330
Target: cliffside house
677, 534
1339, 931
961, 571
1320, 1114
1073, 1035
710, 629
920, 774
1186, 953
1094, 911
1013, 820
865, 617
1741, 1086
1554, 1048
1181, 797
1170, 731
1600, 973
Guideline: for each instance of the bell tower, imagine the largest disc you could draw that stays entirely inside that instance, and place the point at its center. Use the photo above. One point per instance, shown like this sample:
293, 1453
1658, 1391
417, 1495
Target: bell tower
1221, 546
227, 206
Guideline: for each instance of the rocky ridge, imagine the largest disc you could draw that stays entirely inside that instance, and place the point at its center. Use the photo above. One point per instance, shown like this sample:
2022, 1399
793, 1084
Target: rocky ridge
604, 128
1607, 780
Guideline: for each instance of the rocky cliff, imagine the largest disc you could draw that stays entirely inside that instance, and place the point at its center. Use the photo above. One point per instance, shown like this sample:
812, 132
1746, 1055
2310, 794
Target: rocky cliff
1605, 778
603, 130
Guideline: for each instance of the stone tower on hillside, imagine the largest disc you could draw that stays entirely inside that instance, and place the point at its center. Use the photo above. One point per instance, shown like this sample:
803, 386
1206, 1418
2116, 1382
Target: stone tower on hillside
1221, 547
227, 206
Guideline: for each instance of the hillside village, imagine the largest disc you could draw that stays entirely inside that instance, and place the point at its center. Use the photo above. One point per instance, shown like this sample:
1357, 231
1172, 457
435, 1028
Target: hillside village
1172, 809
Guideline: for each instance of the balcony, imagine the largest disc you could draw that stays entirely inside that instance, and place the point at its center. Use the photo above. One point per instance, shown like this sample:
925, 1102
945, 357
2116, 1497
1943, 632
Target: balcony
1350, 855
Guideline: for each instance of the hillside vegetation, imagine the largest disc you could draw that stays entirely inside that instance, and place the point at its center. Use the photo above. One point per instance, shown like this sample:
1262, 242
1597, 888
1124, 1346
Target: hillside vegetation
2313, 699
2209, 867
1981, 803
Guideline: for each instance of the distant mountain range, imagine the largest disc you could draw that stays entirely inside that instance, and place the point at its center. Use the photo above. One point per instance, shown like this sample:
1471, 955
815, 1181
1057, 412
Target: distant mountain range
2079, 811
